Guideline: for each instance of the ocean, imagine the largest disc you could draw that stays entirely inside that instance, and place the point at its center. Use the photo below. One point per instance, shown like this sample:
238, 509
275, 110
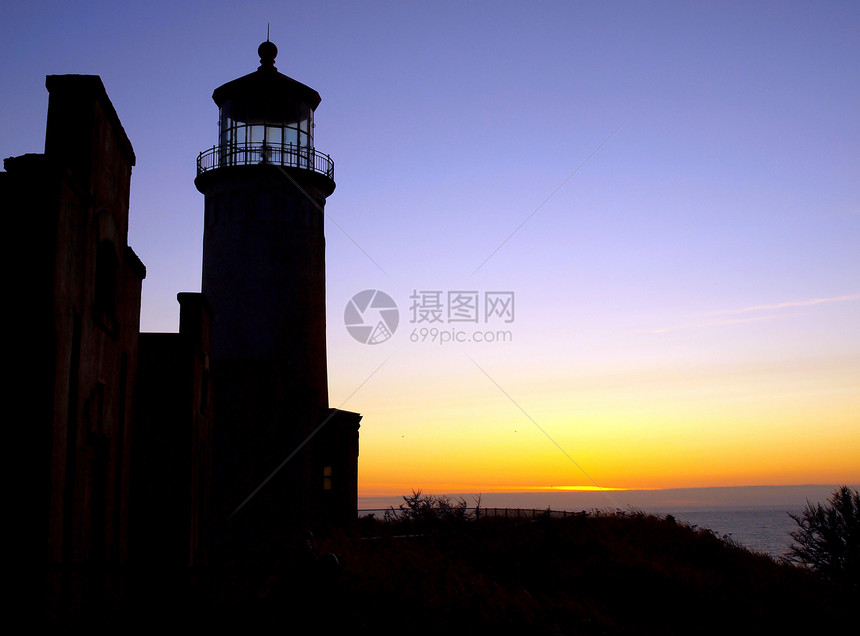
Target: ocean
760, 529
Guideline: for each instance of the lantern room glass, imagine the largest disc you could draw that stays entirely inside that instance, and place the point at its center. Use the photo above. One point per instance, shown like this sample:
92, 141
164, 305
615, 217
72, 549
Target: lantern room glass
279, 133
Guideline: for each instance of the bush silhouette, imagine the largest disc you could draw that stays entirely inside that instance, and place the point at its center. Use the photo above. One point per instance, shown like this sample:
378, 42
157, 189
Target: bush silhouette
431, 509
827, 538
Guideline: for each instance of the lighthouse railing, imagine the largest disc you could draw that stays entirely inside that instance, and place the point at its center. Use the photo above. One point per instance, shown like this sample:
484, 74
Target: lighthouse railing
248, 154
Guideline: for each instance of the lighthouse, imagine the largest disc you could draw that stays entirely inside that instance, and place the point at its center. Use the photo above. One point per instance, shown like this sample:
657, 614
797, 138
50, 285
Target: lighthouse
283, 460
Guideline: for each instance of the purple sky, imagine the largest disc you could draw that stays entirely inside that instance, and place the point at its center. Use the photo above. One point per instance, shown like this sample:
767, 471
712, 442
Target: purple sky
689, 174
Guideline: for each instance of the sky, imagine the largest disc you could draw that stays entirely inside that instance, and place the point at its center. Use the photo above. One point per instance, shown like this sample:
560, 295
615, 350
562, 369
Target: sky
659, 204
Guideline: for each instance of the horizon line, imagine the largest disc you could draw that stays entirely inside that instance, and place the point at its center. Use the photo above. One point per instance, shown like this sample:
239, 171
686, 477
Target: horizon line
551, 489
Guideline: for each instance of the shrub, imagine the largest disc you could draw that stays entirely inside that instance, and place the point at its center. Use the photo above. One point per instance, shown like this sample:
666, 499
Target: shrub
827, 538
428, 508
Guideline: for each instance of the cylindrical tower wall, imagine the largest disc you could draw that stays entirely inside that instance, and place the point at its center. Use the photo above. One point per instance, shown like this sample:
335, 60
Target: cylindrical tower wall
264, 273
264, 276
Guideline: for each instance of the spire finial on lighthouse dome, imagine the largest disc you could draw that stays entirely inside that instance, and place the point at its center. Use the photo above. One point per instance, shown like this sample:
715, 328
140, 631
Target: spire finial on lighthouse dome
267, 52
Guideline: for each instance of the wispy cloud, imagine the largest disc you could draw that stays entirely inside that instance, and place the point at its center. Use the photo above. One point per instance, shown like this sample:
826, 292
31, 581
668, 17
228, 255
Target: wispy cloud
788, 305
713, 323
753, 309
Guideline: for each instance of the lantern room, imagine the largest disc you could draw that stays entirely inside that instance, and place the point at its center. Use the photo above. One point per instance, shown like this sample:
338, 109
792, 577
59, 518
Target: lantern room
266, 117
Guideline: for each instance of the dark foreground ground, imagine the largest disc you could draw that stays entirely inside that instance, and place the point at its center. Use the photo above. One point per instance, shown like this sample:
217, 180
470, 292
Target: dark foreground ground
625, 573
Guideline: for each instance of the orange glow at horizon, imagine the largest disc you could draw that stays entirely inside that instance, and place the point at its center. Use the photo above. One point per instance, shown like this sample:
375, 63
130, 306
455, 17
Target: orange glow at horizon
739, 431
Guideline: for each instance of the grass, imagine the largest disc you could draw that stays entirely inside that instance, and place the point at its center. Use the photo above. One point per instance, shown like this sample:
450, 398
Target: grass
598, 573
592, 574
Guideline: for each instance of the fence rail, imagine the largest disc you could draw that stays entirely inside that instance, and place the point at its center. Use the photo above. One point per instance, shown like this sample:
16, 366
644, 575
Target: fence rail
478, 512
247, 154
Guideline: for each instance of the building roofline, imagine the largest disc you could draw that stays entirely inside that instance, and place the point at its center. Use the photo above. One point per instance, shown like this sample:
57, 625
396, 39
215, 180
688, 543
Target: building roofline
93, 85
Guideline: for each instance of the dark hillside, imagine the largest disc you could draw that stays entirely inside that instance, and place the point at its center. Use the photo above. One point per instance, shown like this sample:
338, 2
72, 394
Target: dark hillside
623, 573
618, 573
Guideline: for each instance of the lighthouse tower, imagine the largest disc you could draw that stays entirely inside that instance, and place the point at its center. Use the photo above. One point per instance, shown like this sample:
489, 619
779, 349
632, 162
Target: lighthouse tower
283, 461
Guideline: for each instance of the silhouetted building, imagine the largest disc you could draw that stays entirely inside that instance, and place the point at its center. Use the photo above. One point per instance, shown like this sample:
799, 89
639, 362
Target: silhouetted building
83, 331
283, 460
172, 445
129, 429
124, 448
